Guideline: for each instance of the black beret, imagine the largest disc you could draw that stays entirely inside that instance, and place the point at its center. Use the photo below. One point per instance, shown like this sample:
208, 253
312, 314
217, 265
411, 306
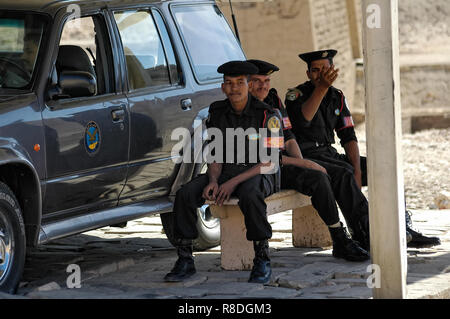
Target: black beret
317, 55
236, 68
265, 68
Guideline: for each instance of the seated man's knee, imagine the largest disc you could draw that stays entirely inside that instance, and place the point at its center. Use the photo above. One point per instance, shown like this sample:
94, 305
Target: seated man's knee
188, 194
319, 179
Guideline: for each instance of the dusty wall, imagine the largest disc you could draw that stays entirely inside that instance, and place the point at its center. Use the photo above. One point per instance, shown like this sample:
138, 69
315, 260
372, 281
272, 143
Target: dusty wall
332, 30
279, 30
424, 26
276, 31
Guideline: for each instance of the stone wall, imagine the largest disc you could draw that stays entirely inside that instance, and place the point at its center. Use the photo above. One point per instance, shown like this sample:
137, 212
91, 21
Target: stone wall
278, 30
332, 30
424, 26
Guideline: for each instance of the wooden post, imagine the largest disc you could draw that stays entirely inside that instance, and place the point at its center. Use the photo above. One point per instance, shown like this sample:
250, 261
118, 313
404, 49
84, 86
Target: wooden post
383, 127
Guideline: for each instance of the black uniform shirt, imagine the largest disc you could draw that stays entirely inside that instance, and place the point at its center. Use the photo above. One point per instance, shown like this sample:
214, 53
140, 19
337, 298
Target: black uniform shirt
332, 115
255, 115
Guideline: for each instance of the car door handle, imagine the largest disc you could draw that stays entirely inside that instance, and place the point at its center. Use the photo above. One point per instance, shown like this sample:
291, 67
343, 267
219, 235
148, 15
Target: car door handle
186, 104
118, 115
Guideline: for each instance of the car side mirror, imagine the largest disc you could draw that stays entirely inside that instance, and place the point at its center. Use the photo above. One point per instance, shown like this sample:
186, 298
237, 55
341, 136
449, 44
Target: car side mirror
77, 84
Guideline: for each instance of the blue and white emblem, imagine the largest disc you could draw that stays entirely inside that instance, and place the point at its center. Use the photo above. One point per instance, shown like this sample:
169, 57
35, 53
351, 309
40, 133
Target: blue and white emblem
92, 138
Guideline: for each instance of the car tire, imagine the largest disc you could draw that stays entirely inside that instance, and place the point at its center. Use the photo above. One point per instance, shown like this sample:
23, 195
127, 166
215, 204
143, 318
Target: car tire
12, 241
208, 229
207, 225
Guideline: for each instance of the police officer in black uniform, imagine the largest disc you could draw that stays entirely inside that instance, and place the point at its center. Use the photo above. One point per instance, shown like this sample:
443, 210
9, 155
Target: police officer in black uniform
306, 176
317, 110
245, 179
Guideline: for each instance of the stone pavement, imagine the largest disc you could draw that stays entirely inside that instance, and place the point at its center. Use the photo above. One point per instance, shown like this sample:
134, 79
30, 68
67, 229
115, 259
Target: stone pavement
131, 263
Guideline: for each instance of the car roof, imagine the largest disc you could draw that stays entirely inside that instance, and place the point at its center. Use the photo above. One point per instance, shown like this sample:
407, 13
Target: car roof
51, 6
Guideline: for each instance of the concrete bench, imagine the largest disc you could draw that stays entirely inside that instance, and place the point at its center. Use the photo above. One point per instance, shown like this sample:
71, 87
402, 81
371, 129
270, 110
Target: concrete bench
308, 229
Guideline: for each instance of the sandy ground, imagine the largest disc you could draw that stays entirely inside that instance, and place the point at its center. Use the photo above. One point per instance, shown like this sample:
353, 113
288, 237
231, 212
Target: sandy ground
426, 165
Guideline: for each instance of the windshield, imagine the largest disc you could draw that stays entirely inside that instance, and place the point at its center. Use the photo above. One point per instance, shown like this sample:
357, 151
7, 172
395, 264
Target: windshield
20, 39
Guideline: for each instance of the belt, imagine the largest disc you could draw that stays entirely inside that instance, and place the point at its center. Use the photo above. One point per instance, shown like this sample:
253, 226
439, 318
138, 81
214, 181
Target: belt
310, 145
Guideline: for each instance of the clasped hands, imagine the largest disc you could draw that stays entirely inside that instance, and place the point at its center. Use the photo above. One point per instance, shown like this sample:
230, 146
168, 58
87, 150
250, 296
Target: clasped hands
219, 194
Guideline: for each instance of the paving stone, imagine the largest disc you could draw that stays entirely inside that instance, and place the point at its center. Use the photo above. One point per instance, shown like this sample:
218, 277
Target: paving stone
49, 287
134, 265
275, 293
331, 288
352, 293
4, 295
232, 288
309, 275
426, 286
353, 282
180, 292
227, 276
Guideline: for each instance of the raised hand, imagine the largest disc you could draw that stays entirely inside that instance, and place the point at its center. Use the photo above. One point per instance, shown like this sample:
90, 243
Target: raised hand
328, 76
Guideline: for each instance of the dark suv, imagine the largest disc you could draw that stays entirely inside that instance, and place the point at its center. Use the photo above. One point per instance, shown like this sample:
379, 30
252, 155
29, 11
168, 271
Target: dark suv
90, 92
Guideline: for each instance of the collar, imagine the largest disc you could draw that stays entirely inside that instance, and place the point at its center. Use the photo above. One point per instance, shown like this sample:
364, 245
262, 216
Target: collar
249, 109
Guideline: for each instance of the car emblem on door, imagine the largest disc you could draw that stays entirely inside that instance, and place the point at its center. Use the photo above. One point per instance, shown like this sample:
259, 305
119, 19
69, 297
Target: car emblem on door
92, 138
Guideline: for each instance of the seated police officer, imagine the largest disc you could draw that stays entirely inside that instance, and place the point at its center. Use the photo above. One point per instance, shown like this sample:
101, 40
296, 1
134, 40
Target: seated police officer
317, 110
306, 176
245, 179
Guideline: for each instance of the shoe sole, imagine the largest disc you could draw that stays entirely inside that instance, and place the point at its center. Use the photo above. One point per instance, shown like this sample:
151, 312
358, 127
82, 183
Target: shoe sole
179, 279
261, 281
421, 245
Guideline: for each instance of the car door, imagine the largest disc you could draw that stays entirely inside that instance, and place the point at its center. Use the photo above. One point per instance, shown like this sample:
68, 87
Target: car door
159, 101
87, 135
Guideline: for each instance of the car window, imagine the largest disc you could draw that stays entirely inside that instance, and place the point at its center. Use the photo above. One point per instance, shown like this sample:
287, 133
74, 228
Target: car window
84, 46
20, 39
174, 72
143, 49
208, 38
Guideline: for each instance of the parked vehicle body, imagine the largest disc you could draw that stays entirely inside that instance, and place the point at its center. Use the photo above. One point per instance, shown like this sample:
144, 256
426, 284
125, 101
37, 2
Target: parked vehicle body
90, 92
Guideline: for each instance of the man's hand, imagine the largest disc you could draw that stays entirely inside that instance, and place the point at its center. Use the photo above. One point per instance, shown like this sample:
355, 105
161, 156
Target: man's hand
327, 77
225, 191
210, 191
301, 162
315, 166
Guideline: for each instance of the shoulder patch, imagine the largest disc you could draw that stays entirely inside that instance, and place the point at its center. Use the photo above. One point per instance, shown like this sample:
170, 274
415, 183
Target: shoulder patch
293, 94
274, 124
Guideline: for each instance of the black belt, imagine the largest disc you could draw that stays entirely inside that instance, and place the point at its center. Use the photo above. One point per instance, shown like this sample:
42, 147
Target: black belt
310, 145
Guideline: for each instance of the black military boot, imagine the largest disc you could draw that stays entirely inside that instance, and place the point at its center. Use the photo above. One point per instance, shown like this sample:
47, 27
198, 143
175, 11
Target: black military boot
417, 239
261, 271
345, 247
184, 266
359, 229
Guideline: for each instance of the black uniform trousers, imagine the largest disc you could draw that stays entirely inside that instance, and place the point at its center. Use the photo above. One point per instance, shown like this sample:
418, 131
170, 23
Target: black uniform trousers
251, 195
349, 197
330, 155
315, 184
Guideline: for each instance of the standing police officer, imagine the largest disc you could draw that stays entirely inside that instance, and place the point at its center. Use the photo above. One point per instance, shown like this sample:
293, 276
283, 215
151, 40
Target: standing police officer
317, 110
306, 176
245, 179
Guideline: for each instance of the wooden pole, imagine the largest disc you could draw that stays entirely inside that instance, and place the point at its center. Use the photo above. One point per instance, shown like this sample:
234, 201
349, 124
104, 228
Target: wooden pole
383, 128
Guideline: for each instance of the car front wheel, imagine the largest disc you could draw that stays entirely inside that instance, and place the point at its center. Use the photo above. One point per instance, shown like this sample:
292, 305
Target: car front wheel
12, 241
